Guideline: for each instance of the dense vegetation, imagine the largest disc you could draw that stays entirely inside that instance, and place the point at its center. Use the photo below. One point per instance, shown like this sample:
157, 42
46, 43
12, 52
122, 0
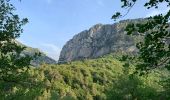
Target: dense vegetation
96, 79
154, 50
110, 77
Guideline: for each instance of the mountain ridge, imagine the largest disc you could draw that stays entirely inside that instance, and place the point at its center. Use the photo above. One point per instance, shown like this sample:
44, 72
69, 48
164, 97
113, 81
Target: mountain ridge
43, 58
99, 40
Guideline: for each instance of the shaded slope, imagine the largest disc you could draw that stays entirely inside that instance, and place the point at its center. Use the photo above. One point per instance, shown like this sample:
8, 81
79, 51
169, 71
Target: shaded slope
43, 58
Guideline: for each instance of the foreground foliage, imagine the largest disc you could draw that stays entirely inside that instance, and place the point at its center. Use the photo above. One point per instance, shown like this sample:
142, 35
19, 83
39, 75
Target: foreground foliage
12, 63
99, 79
154, 50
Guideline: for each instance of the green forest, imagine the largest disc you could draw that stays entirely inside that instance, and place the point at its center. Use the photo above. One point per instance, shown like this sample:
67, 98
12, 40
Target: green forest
104, 78
115, 76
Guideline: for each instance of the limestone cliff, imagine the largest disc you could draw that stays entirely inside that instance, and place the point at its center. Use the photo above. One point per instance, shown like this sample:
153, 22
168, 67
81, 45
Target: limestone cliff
98, 41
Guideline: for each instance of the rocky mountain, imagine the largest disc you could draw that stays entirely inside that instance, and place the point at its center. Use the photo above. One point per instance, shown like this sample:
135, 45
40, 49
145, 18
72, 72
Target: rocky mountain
98, 41
43, 58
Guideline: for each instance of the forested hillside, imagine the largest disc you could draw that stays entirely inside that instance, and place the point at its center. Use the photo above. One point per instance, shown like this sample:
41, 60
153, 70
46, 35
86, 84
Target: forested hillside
104, 78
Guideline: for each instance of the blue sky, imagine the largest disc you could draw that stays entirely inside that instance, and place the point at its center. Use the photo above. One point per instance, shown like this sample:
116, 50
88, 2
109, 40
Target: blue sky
53, 22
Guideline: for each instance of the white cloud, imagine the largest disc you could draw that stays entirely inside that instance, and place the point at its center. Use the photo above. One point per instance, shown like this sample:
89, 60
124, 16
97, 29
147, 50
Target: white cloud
51, 50
157, 11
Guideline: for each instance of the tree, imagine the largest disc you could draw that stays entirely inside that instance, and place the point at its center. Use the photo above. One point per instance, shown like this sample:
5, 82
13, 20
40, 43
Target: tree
11, 62
154, 50
16, 80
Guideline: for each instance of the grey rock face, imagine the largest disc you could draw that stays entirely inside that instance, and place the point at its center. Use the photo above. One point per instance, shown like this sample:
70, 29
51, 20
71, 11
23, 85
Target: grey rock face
98, 41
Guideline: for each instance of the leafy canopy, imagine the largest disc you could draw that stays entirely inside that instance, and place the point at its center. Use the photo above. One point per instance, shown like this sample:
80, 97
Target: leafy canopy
154, 50
11, 59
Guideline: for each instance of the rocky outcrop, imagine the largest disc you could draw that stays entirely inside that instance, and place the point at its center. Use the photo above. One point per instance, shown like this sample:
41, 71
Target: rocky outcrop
98, 41
42, 59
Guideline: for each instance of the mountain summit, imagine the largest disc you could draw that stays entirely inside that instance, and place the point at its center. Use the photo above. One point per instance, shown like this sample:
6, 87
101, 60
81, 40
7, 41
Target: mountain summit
98, 41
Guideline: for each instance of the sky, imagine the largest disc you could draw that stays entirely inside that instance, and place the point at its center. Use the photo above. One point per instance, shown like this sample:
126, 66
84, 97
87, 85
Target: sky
53, 22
